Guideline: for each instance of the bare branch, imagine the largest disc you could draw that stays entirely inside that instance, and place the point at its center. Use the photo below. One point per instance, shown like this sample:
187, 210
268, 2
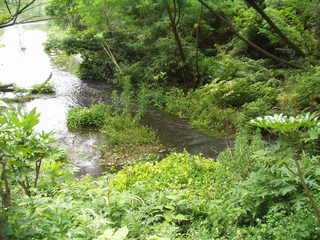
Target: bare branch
8, 7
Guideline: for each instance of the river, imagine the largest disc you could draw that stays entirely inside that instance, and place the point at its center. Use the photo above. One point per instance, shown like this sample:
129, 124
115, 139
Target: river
24, 62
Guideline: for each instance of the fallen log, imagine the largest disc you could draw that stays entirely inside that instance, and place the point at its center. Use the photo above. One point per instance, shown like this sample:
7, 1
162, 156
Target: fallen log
7, 88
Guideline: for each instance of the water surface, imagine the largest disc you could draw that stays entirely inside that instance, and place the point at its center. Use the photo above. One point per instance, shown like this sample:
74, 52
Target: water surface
24, 62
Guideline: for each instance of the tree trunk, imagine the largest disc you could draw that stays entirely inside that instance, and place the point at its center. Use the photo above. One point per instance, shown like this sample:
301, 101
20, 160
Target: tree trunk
174, 17
5, 188
175, 32
274, 27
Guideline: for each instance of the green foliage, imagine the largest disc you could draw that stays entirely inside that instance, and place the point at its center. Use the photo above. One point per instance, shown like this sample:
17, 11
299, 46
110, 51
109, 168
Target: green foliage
121, 127
92, 117
178, 171
123, 41
22, 149
182, 197
295, 135
23, 153
291, 17
305, 86
125, 129
254, 190
42, 88
287, 125
52, 44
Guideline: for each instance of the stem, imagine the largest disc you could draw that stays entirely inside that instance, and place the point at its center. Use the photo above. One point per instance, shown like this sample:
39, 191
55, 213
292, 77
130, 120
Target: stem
198, 75
274, 27
172, 17
25, 188
108, 51
38, 166
306, 189
5, 188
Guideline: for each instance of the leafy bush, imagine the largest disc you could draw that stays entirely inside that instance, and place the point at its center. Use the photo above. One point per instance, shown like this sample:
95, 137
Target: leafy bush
306, 89
92, 117
200, 111
295, 135
120, 126
43, 88
52, 44
23, 153
87, 208
260, 107
177, 171
182, 197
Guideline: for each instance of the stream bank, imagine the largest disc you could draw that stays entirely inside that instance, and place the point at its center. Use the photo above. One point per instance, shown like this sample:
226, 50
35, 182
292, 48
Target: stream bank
24, 62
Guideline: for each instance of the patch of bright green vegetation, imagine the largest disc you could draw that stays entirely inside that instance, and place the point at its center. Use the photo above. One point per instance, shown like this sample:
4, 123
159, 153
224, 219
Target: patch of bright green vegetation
21, 99
245, 194
125, 129
87, 117
121, 127
43, 88
129, 140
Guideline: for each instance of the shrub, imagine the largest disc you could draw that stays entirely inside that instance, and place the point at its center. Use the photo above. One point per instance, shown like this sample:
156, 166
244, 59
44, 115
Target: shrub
201, 112
43, 88
177, 171
306, 87
93, 117
182, 197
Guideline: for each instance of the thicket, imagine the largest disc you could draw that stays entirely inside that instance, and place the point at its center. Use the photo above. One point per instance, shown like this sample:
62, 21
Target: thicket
219, 64
201, 60
252, 191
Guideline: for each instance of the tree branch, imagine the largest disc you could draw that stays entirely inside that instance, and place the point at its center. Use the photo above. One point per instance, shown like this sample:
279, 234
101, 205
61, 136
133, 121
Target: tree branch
250, 43
274, 27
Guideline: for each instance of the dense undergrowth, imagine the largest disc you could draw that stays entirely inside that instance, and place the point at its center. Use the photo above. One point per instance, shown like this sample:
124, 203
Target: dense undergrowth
198, 63
182, 57
247, 193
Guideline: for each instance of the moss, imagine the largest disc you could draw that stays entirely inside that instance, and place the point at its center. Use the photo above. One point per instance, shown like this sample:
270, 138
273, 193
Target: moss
43, 88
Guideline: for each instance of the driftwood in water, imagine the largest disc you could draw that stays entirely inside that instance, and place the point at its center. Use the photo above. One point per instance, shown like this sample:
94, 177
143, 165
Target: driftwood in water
49, 78
12, 88
7, 88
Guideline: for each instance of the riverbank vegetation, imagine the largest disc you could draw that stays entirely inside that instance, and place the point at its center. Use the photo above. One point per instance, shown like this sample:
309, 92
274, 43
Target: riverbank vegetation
242, 69
129, 141
249, 192
184, 57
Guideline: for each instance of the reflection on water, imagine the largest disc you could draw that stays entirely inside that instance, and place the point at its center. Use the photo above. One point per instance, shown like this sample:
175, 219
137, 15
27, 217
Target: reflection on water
181, 135
23, 60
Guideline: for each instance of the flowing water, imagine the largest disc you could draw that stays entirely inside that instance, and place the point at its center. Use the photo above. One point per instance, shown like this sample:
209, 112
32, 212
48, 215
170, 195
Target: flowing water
24, 62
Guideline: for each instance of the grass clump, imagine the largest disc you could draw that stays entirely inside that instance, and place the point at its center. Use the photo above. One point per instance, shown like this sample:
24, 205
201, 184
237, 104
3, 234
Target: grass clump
129, 140
124, 129
93, 117
121, 127
42, 88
